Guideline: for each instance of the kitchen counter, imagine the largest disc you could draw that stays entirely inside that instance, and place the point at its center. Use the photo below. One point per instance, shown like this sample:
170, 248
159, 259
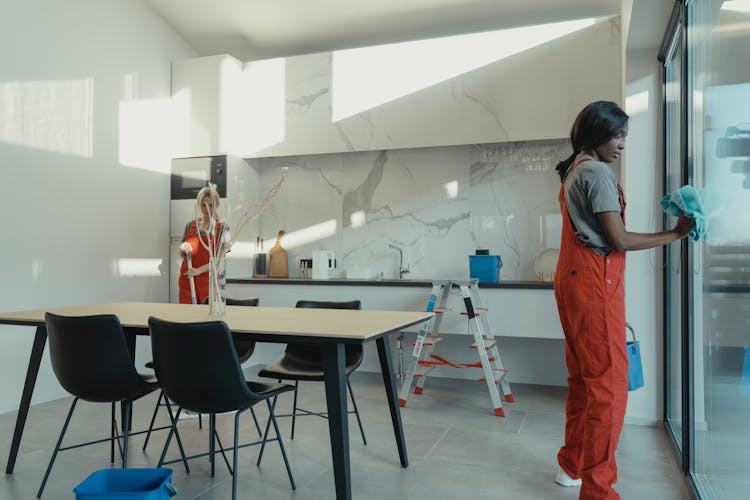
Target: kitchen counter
523, 314
413, 283
519, 308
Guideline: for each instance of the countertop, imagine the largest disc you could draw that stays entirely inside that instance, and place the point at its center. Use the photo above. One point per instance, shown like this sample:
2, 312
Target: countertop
422, 283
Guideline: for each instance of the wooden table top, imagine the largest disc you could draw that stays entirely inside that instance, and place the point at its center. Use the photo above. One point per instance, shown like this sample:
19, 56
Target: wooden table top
358, 325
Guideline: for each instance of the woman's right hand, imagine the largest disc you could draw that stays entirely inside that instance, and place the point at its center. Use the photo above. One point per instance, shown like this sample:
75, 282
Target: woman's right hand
683, 225
185, 247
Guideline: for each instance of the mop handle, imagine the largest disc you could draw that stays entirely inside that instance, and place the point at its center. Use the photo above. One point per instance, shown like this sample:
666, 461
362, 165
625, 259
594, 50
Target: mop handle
190, 277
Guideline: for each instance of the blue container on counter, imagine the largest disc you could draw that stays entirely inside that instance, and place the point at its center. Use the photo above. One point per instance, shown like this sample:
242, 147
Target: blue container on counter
127, 484
486, 268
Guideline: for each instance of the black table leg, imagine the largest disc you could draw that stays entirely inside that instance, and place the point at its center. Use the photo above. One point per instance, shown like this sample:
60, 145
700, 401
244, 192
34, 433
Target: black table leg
40, 338
386, 367
338, 423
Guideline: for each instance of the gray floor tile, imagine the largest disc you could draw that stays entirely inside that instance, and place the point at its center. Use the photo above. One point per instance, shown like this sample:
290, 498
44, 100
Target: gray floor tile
457, 448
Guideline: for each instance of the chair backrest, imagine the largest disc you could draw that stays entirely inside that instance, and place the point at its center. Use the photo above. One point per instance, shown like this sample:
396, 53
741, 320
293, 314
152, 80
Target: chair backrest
327, 304
90, 357
242, 302
245, 348
313, 353
197, 366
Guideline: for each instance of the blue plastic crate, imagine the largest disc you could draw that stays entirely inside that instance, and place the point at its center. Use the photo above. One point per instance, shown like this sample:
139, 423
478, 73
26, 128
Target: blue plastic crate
486, 268
126, 484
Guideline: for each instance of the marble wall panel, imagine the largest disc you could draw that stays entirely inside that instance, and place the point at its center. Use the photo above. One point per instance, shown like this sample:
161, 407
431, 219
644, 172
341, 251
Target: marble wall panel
532, 94
436, 204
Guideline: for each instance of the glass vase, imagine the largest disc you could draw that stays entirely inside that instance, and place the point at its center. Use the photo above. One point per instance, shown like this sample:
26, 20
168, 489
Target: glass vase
217, 283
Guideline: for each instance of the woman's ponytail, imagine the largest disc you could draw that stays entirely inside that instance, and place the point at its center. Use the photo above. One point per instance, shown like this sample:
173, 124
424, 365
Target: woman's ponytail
564, 166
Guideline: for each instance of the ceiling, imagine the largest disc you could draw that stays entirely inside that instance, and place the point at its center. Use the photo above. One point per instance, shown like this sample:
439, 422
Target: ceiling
259, 29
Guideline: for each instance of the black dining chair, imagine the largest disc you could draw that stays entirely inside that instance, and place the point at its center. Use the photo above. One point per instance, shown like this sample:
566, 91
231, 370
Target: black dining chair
91, 360
304, 362
199, 370
244, 348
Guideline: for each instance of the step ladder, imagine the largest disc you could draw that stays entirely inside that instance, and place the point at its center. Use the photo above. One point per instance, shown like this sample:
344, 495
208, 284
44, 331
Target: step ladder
424, 359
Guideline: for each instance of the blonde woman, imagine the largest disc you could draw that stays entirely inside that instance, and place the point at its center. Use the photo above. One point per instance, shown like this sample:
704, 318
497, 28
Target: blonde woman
206, 230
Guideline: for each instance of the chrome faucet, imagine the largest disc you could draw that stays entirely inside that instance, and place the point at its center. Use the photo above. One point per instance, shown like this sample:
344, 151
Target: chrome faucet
401, 269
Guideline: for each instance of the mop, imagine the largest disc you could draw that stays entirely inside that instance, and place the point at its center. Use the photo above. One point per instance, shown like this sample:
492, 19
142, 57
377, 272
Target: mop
189, 259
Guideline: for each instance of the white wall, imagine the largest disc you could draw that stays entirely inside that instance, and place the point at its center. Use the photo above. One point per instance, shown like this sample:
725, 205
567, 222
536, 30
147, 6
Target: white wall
84, 149
642, 181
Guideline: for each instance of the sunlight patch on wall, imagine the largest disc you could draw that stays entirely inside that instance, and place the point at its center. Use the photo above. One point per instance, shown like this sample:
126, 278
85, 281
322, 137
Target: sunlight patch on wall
241, 250
182, 125
358, 218
451, 189
49, 115
37, 266
146, 134
263, 106
307, 235
636, 103
137, 268
232, 112
368, 77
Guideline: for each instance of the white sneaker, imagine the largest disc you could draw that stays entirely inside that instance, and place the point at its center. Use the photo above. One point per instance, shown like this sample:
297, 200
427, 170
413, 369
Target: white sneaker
563, 479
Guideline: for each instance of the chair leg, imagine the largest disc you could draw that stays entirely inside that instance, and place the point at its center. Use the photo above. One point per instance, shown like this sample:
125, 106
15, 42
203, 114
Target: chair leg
57, 447
153, 419
356, 411
221, 448
265, 434
281, 444
126, 407
255, 420
294, 406
115, 433
173, 419
212, 440
169, 437
112, 435
234, 454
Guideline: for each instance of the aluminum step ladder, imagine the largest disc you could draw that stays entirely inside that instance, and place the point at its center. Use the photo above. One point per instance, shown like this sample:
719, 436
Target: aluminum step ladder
424, 359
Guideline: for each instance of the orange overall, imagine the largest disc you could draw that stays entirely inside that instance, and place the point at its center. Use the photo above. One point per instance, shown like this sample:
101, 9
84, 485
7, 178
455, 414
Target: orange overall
589, 291
200, 257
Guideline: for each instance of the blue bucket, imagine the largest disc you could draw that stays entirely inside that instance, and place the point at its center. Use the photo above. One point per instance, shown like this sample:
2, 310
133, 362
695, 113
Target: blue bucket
127, 484
635, 369
486, 268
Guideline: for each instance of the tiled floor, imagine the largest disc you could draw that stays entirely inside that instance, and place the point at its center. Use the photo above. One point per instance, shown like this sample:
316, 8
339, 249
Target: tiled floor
457, 449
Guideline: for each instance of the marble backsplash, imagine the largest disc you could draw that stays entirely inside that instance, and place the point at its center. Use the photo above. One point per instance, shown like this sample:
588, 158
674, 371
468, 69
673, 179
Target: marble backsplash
438, 204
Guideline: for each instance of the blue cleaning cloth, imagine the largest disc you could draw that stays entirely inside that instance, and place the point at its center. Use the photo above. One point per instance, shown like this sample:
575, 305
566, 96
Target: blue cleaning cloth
688, 201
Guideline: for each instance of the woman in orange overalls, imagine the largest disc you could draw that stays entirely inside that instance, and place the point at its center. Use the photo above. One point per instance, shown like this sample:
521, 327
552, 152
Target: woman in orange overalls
589, 290
208, 201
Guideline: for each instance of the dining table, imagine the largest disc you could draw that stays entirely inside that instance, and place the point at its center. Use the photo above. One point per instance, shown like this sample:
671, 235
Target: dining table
331, 329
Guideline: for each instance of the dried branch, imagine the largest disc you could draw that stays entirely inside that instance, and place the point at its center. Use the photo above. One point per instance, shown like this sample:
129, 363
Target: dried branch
257, 209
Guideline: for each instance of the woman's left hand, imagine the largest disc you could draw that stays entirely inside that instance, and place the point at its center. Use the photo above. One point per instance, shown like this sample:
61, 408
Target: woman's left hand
683, 225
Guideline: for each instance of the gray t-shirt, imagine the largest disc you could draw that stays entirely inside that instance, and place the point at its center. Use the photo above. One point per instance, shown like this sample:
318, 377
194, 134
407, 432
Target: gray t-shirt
589, 190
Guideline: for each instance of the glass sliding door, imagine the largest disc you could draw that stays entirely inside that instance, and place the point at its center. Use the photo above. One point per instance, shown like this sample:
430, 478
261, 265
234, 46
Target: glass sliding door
671, 56
719, 141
